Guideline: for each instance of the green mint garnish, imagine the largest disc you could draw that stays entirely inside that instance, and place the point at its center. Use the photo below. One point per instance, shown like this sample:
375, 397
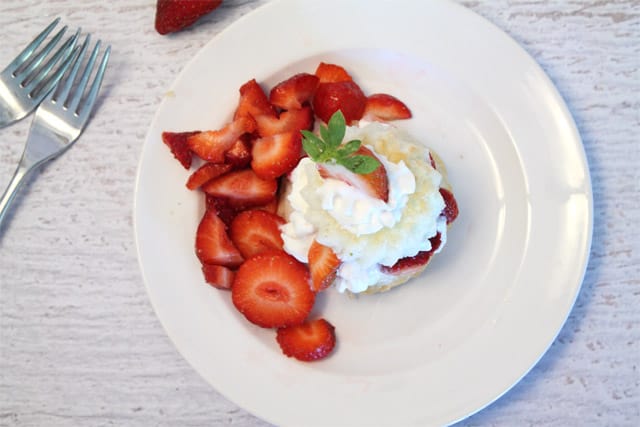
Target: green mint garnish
328, 147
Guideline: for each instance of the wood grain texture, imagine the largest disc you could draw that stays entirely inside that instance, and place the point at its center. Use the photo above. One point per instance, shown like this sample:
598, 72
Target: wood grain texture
79, 342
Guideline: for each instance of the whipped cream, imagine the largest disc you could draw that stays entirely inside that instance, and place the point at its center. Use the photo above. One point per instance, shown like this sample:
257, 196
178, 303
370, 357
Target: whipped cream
364, 231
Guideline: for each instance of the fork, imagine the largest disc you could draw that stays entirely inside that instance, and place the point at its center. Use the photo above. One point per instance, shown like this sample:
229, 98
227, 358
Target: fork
60, 118
26, 80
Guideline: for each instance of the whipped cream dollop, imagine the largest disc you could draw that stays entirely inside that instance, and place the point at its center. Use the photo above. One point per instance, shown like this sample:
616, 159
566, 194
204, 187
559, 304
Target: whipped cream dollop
366, 232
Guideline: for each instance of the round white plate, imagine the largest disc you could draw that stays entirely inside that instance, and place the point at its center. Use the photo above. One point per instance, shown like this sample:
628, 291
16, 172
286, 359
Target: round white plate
490, 304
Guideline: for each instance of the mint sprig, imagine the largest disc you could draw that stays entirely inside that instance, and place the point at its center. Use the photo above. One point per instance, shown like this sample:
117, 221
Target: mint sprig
328, 147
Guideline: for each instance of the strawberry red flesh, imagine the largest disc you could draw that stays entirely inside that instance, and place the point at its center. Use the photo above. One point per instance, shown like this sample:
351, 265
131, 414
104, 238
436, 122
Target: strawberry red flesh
345, 96
323, 266
256, 231
177, 143
414, 263
384, 107
205, 173
239, 155
242, 189
218, 276
293, 92
313, 340
253, 101
332, 73
450, 210
213, 245
277, 155
213, 144
174, 15
289, 121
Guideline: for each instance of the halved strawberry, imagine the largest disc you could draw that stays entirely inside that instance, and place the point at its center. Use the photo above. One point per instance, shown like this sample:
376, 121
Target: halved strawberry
218, 276
205, 173
253, 101
221, 207
313, 340
450, 210
177, 143
272, 290
239, 155
293, 92
414, 264
213, 245
289, 121
174, 15
383, 107
256, 231
323, 265
276, 155
242, 188
375, 184
331, 73
345, 96
211, 145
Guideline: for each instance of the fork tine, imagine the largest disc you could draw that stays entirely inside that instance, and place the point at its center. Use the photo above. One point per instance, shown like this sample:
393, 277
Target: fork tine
23, 74
72, 104
62, 91
64, 52
47, 87
28, 51
95, 86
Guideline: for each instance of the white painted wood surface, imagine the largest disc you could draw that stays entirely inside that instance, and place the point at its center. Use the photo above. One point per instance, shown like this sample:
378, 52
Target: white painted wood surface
79, 342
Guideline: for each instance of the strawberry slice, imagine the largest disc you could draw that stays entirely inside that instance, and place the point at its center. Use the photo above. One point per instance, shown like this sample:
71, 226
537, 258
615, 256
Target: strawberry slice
177, 143
253, 101
271, 207
242, 188
450, 210
383, 107
221, 207
413, 264
323, 265
375, 184
211, 145
292, 93
289, 121
256, 231
174, 15
239, 155
213, 245
272, 290
345, 96
313, 340
206, 172
276, 155
218, 276
332, 73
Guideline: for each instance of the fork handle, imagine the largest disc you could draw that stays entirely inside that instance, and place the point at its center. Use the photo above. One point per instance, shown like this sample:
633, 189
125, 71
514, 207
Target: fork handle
18, 178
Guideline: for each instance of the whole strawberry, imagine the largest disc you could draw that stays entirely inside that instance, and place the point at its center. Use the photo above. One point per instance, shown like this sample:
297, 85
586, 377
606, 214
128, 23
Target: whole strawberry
174, 15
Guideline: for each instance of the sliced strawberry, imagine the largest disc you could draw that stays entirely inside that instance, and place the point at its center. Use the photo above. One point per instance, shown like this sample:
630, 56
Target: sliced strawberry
375, 184
205, 173
293, 92
242, 188
221, 207
256, 231
383, 107
414, 264
177, 143
211, 145
313, 340
253, 101
272, 290
213, 245
239, 155
276, 155
345, 96
432, 162
174, 15
289, 121
332, 73
323, 265
271, 207
218, 276
450, 210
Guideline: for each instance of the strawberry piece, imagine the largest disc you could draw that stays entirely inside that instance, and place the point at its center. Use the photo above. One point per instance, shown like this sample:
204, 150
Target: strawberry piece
174, 15
450, 210
413, 264
271, 207
218, 276
292, 93
276, 155
253, 101
289, 121
313, 340
345, 96
222, 208
242, 188
211, 145
272, 290
432, 162
213, 245
332, 73
375, 184
323, 265
383, 107
256, 231
205, 173
239, 155
177, 143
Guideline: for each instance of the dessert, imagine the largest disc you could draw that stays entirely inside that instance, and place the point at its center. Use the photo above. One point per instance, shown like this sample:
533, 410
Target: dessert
309, 187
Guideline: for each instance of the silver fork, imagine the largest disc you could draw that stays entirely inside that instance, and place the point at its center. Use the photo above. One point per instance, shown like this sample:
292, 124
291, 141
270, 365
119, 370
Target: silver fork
26, 80
60, 118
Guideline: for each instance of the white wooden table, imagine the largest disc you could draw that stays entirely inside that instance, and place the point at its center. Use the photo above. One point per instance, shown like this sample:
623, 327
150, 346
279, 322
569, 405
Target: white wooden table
79, 342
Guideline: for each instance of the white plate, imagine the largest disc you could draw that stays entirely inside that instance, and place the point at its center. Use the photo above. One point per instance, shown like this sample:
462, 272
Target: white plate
487, 308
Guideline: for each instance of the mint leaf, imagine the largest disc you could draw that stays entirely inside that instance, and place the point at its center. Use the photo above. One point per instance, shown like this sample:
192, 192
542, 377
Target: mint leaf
361, 164
349, 148
337, 127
